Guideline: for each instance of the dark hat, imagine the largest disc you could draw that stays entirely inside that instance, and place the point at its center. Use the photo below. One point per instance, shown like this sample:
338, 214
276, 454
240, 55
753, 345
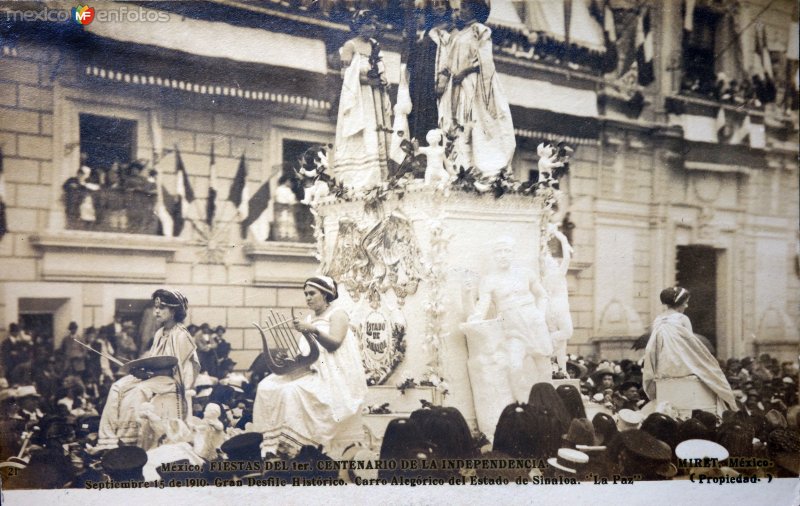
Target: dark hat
577, 368
693, 428
124, 463
13, 327
604, 370
661, 427
245, 446
645, 446
153, 364
708, 419
57, 427
775, 420
604, 427
628, 384
581, 432
73, 326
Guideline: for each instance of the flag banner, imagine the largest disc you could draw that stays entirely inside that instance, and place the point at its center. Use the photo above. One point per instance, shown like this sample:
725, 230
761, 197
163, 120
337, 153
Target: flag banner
211, 204
3, 224
164, 204
238, 192
644, 49
256, 206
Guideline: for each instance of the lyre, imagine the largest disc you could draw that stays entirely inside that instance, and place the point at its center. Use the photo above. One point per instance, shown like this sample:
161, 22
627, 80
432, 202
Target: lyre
286, 356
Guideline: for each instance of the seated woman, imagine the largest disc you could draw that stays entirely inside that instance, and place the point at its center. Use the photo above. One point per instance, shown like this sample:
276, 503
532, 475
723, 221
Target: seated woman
673, 351
164, 383
296, 410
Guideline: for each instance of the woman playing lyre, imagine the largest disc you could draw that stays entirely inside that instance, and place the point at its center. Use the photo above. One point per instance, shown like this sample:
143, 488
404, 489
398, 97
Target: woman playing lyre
307, 408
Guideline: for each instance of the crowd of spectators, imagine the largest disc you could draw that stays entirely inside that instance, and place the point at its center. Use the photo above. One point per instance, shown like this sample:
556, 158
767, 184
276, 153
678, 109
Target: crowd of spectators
50, 401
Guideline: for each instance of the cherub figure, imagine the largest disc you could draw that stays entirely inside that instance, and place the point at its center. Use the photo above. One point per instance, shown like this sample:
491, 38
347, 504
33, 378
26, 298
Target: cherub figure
435, 170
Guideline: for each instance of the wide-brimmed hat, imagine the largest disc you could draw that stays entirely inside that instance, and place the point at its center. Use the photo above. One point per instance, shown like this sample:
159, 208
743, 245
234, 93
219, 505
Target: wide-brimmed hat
581, 432
569, 460
245, 446
579, 369
646, 447
701, 449
357, 454
124, 463
628, 419
158, 363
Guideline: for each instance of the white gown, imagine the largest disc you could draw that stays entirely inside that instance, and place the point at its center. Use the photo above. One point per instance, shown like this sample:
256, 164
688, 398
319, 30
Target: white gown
307, 410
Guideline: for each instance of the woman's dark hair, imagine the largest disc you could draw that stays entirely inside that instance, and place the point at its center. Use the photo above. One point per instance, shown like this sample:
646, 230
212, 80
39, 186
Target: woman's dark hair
526, 431
604, 427
480, 9
173, 300
446, 429
544, 396
401, 440
572, 400
674, 296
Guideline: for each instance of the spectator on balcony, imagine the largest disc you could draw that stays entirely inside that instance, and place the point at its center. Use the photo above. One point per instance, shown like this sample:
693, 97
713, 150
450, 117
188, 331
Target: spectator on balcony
285, 201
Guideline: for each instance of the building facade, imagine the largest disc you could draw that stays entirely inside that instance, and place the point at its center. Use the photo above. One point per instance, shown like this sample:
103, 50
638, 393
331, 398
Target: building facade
671, 181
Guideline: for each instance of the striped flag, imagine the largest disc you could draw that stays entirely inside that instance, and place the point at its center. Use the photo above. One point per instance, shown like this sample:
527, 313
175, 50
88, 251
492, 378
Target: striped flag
211, 204
183, 193
763, 76
3, 224
238, 194
164, 203
611, 57
644, 48
256, 221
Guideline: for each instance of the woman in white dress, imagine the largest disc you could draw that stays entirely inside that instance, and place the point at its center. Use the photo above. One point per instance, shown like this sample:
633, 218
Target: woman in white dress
293, 411
360, 148
674, 351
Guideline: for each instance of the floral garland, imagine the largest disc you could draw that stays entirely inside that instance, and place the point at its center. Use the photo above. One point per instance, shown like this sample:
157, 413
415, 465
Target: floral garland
429, 379
434, 306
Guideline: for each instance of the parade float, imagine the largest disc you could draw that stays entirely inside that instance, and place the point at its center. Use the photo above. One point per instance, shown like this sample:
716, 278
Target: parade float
410, 233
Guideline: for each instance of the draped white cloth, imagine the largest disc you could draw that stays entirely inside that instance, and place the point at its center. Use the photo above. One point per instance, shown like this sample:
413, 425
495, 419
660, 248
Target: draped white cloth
359, 150
120, 420
673, 351
478, 102
307, 410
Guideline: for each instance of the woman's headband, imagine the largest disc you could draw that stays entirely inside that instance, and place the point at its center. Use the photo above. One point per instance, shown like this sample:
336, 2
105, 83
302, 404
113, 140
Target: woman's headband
170, 298
324, 284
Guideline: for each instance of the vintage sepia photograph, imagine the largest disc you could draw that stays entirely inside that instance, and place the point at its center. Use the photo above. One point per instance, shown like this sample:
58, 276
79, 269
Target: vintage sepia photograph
400, 251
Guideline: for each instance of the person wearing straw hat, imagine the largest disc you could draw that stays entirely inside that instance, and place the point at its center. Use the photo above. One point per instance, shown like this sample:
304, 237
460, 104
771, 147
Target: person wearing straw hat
295, 410
674, 351
161, 379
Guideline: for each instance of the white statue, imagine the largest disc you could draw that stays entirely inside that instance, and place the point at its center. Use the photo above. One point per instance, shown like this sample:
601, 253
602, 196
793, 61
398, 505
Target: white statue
548, 162
520, 302
209, 433
554, 279
435, 171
